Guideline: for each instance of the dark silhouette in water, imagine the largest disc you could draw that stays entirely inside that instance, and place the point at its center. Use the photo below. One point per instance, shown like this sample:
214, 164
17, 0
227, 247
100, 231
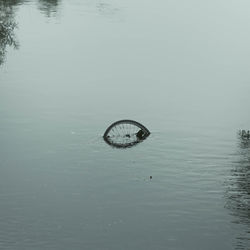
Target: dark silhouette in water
238, 189
125, 133
7, 27
48, 7
244, 134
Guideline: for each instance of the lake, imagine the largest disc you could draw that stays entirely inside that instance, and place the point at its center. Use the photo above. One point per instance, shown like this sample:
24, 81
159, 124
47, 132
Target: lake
68, 69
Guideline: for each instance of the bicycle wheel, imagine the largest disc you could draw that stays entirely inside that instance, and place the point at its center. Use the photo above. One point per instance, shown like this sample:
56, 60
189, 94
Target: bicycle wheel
125, 133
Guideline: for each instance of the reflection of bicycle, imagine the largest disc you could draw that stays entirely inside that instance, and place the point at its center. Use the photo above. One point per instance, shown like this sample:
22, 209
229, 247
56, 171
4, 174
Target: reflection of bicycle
125, 133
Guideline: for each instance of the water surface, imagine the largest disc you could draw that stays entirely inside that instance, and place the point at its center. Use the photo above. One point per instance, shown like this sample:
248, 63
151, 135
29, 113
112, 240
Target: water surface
70, 69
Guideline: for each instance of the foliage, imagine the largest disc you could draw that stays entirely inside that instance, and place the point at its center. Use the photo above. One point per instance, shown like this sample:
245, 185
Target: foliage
7, 27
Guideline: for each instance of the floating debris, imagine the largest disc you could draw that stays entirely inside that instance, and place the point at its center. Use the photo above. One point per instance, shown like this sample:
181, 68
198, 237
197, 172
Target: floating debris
125, 133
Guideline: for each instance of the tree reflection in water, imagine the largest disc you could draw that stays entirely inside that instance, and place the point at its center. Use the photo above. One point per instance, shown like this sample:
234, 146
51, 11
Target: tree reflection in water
8, 23
238, 192
7, 26
49, 7
106, 9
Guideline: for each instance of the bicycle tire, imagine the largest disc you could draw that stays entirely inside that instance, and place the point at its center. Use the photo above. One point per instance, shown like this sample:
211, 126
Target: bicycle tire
125, 133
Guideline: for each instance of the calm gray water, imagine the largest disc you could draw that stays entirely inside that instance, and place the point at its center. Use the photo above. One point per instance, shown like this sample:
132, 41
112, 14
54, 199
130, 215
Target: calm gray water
71, 68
